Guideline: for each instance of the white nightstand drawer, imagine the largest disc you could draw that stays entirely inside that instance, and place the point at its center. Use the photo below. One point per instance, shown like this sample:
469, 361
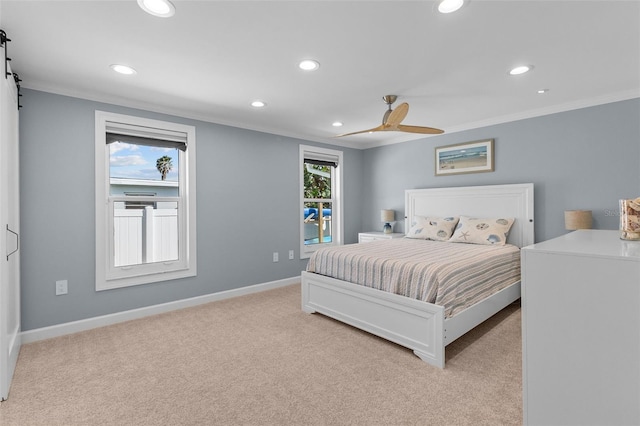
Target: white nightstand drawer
367, 237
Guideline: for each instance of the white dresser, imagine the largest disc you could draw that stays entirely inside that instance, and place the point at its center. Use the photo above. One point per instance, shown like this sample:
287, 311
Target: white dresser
366, 237
581, 330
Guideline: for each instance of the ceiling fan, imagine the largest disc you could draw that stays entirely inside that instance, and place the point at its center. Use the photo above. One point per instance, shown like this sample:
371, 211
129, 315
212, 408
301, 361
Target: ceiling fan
392, 119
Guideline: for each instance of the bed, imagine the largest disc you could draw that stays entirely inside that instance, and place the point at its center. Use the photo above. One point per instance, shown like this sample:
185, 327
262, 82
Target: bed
425, 327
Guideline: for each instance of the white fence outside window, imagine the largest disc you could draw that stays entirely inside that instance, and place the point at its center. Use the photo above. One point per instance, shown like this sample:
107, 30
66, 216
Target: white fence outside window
145, 236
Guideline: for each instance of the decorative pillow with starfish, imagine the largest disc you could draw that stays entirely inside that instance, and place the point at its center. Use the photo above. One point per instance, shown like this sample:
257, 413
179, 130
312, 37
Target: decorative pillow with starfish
488, 231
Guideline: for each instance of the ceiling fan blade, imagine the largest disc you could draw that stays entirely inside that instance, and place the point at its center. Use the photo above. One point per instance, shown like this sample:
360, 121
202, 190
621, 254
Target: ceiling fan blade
419, 129
397, 115
392, 119
375, 129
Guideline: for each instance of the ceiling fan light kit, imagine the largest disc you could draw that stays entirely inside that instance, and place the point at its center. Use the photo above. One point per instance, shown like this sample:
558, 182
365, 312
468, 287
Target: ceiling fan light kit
392, 119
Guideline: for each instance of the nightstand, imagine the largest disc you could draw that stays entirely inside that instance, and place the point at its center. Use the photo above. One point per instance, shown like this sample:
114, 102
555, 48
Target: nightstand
367, 237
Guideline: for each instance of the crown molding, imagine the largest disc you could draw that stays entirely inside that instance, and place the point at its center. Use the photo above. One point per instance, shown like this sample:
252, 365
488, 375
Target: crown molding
128, 103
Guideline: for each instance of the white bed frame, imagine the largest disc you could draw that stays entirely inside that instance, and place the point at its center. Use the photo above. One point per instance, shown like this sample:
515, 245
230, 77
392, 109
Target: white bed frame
418, 325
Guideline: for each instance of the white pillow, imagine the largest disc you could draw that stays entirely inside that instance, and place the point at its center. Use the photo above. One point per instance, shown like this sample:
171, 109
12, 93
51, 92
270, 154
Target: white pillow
432, 228
489, 231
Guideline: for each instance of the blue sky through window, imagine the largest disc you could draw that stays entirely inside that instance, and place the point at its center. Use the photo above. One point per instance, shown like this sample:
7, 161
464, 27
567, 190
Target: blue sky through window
131, 161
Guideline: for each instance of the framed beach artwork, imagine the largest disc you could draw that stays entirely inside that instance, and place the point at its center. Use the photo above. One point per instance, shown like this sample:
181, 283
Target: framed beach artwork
468, 157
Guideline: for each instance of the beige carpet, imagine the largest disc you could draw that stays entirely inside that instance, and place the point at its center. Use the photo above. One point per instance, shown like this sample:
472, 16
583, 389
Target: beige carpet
259, 360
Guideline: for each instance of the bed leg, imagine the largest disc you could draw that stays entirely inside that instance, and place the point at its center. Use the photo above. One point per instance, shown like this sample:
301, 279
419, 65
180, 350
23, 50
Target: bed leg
429, 359
304, 290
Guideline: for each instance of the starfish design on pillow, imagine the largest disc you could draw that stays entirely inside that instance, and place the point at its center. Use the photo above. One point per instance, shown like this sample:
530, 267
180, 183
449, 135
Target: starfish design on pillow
464, 234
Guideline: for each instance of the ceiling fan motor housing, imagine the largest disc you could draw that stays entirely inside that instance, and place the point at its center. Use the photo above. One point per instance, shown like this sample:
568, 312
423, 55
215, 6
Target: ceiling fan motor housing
388, 99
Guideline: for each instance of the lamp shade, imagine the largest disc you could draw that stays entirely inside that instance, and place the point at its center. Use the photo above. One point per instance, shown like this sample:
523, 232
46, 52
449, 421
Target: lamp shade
577, 219
387, 215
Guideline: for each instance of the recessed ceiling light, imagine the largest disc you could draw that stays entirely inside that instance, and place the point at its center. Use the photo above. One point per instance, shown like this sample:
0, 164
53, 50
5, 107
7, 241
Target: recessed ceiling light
541, 91
258, 104
336, 124
122, 69
161, 8
309, 65
521, 69
448, 6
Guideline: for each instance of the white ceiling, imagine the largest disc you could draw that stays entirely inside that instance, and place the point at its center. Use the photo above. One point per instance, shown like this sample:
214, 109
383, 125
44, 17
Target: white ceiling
212, 58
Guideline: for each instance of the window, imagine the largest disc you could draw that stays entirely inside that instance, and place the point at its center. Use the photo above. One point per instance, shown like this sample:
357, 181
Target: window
145, 201
321, 199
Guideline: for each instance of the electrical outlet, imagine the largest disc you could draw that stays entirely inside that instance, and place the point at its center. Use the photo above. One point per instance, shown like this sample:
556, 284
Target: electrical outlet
275, 256
61, 287
291, 255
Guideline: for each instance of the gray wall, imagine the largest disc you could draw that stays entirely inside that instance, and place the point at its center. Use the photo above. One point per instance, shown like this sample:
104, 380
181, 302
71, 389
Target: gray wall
247, 208
581, 159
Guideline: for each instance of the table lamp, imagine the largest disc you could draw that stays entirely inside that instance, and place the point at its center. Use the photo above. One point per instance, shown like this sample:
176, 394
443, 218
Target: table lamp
387, 216
577, 219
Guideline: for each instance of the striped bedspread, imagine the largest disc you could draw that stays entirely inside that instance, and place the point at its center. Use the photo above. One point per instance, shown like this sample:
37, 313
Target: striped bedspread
452, 275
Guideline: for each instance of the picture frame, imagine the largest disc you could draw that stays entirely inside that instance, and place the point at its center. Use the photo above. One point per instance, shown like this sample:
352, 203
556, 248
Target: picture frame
467, 157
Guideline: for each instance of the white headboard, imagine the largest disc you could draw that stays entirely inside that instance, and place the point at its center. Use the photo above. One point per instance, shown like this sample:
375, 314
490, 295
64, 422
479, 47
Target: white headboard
514, 200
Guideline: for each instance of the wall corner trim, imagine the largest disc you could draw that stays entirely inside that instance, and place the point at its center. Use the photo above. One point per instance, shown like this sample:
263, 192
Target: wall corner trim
57, 330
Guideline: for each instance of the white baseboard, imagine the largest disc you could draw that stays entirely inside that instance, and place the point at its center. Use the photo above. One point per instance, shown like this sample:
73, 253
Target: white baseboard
43, 333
